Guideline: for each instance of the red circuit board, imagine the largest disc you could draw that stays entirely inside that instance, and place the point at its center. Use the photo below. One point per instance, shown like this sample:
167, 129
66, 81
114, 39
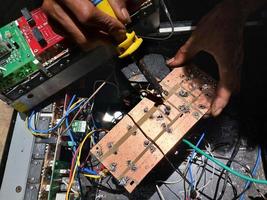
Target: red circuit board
41, 21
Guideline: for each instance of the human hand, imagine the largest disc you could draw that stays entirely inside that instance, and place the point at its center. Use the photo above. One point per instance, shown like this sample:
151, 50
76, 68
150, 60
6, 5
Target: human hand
219, 33
82, 20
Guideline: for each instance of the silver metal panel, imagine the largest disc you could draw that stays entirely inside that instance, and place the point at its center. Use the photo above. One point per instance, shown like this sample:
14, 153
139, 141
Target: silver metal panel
18, 162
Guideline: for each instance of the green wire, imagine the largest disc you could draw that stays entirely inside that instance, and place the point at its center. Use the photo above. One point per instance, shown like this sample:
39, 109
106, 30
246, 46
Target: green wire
247, 178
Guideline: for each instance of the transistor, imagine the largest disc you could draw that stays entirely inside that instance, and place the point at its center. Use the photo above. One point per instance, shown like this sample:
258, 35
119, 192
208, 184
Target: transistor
39, 37
25, 12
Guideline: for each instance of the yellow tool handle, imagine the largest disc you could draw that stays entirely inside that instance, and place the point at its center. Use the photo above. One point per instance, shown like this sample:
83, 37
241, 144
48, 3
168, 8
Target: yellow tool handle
132, 42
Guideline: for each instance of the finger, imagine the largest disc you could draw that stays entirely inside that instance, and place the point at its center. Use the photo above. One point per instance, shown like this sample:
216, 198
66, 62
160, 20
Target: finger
225, 87
88, 14
223, 95
57, 13
185, 53
120, 10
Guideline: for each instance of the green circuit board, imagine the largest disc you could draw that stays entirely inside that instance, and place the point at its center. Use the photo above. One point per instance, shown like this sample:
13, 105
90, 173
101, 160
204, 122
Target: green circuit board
16, 59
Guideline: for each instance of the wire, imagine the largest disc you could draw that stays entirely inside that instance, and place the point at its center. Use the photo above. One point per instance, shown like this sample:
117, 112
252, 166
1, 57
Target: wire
170, 21
254, 171
77, 163
219, 163
92, 176
211, 178
72, 109
160, 193
84, 104
69, 132
193, 154
229, 162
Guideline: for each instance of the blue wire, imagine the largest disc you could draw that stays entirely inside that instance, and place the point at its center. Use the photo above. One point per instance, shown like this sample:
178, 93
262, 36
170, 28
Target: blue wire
254, 171
57, 125
69, 132
88, 171
193, 154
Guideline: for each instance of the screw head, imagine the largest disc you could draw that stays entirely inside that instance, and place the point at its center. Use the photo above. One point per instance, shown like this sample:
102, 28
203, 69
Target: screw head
18, 189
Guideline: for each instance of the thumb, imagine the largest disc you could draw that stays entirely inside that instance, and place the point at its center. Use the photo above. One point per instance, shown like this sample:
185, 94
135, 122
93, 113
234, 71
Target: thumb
119, 7
185, 53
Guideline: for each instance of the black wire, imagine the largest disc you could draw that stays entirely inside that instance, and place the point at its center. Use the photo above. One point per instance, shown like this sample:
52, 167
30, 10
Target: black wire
80, 185
233, 155
170, 21
202, 171
229, 181
247, 170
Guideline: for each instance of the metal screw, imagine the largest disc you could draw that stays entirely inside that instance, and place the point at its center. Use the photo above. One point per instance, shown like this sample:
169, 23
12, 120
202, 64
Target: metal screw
183, 93
41, 78
99, 153
131, 165
146, 143
146, 109
166, 111
18, 189
163, 125
110, 145
35, 162
205, 87
20, 91
196, 114
184, 109
165, 92
113, 167
159, 117
168, 130
31, 187
123, 181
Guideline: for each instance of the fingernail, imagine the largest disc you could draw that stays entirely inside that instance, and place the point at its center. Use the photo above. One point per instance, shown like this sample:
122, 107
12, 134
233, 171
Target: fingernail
217, 112
170, 61
126, 15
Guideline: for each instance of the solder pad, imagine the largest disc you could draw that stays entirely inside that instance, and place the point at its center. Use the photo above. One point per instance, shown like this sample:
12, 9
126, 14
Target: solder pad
127, 151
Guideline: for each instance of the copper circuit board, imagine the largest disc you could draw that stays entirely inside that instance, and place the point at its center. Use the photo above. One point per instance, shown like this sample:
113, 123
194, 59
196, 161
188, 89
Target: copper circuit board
128, 151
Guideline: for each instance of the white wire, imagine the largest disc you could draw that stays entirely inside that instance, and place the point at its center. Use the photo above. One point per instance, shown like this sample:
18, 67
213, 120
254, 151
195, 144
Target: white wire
170, 21
160, 193
211, 178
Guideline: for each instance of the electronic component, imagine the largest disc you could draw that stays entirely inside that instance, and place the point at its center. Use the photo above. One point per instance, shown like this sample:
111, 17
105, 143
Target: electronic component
57, 178
39, 37
151, 129
79, 126
34, 58
25, 12
16, 57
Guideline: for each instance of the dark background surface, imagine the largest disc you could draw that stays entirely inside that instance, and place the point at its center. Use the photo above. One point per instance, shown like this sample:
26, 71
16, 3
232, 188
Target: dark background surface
248, 107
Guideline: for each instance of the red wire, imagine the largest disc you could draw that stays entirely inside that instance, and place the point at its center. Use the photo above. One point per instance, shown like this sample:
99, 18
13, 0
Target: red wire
73, 162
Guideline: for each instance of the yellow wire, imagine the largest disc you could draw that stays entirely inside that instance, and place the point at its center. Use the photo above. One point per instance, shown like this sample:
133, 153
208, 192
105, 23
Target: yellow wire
77, 163
33, 133
92, 176
47, 134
